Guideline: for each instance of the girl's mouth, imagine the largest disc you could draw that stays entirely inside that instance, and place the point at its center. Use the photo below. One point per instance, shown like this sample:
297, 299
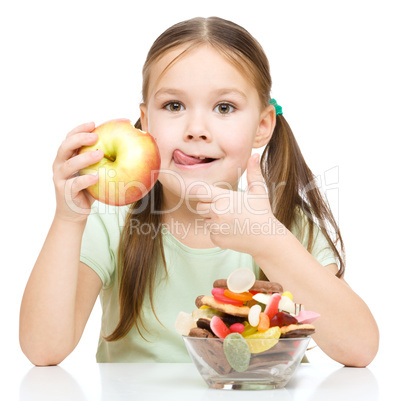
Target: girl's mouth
182, 159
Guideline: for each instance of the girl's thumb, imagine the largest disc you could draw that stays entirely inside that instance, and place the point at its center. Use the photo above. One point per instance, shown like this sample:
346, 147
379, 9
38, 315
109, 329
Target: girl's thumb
255, 180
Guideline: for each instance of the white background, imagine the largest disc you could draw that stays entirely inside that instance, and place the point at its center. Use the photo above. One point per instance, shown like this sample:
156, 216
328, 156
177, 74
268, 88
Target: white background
336, 70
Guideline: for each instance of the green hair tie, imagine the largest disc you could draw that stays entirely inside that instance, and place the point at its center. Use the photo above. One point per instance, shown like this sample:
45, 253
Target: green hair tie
278, 109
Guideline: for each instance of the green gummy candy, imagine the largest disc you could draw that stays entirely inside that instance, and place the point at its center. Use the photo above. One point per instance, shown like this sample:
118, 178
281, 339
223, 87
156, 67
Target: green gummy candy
237, 352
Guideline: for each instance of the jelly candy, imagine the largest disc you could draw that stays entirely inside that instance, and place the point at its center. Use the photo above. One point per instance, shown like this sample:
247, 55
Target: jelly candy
286, 305
248, 329
218, 296
263, 298
288, 294
263, 325
254, 315
225, 300
237, 352
307, 317
267, 339
242, 296
184, 323
241, 280
218, 327
272, 309
217, 291
283, 319
237, 328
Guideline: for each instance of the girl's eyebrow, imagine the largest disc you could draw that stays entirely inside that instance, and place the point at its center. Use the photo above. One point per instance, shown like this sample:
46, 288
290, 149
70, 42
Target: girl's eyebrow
218, 92
230, 91
168, 91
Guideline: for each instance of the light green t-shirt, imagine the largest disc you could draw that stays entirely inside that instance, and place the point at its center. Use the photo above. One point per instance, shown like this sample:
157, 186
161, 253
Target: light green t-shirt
191, 272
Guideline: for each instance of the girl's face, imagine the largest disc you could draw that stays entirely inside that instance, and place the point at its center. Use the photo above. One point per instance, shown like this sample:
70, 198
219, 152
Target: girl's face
203, 107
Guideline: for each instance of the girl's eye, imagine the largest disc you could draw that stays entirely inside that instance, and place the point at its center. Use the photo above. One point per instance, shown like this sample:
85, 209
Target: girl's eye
174, 106
224, 108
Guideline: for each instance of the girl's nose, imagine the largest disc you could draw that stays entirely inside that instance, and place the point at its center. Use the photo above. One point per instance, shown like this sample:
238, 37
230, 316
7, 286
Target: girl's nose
197, 129
197, 136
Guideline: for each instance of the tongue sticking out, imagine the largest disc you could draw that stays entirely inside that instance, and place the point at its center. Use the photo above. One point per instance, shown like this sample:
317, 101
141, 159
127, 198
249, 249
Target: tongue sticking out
181, 158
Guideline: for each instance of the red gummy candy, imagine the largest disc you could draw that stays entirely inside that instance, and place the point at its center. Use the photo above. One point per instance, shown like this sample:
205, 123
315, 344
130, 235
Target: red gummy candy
225, 300
218, 327
219, 297
217, 291
272, 309
283, 319
237, 328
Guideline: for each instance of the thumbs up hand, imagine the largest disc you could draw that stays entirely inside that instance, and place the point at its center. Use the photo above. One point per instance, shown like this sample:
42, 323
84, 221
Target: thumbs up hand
242, 221
255, 180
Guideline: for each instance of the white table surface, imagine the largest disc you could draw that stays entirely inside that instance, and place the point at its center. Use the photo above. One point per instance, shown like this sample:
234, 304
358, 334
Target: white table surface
100, 382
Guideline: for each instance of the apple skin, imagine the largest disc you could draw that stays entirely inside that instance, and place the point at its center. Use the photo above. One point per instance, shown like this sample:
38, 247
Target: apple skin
130, 166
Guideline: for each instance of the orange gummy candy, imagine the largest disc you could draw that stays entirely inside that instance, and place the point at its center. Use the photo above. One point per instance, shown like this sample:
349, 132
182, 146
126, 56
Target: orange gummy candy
264, 322
242, 296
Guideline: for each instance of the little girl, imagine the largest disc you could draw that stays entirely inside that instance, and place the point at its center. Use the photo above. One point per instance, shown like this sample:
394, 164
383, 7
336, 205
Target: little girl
206, 91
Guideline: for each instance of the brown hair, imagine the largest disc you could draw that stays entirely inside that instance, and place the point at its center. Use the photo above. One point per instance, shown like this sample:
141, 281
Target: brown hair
281, 163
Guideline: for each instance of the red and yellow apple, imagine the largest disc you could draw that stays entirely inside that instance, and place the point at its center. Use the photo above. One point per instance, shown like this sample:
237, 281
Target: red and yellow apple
130, 166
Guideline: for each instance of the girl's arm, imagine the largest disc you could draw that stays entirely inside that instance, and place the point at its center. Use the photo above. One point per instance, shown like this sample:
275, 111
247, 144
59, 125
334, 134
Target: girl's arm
61, 291
244, 222
58, 298
346, 330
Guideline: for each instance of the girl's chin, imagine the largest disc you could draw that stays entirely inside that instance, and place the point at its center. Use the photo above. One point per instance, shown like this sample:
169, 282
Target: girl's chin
181, 181
185, 188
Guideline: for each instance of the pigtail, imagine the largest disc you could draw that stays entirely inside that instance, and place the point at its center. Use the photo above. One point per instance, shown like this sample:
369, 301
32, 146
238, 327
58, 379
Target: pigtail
291, 186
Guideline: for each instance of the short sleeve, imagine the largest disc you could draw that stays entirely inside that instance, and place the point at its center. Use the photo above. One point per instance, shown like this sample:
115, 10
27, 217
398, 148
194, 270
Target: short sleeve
100, 241
321, 249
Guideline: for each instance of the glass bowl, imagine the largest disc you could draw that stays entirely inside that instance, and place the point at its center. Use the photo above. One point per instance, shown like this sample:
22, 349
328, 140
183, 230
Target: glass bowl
272, 362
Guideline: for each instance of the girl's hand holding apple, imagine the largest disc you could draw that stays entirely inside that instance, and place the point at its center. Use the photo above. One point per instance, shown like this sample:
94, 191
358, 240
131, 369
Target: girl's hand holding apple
73, 203
130, 164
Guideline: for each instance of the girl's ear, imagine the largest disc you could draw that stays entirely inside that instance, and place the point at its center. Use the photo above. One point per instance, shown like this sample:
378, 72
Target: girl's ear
265, 127
144, 118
